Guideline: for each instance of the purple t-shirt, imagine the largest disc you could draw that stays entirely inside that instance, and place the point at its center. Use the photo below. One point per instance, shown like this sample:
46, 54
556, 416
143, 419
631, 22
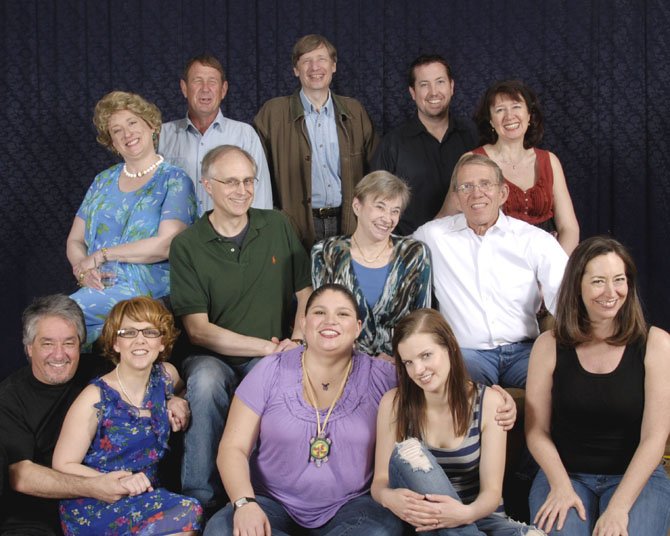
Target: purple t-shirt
280, 467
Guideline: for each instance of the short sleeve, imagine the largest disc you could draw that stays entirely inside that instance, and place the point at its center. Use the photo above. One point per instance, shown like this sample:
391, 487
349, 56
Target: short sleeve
383, 378
301, 265
255, 388
15, 435
179, 203
187, 294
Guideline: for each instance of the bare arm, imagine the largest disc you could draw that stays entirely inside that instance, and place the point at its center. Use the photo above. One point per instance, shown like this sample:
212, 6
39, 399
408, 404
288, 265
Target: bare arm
562, 496
144, 251
39, 481
406, 504
179, 413
77, 433
564, 213
224, 341
239, 438
653, 435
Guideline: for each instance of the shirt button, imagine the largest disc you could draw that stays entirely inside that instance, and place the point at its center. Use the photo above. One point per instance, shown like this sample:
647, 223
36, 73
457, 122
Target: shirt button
232, 250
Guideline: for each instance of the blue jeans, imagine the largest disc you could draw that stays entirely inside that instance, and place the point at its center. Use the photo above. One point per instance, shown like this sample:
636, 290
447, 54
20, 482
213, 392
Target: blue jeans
649, 516
506, 365
360, 516
423, 474
210, 384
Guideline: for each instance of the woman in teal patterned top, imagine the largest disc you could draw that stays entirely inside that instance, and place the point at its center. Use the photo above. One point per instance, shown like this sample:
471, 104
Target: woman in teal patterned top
389, 275
130, 214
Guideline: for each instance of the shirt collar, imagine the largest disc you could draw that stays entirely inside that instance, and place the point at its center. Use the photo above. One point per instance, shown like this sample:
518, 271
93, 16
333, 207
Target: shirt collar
327, 108
458, 223
257, 220
217, 124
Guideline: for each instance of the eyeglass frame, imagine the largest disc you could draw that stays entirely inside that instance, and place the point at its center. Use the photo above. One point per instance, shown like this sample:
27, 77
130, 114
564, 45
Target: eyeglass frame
484, 186
249, 181
121, 333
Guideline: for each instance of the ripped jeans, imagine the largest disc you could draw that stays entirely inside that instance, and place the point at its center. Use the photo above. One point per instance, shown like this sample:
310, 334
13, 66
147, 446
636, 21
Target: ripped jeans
413, 467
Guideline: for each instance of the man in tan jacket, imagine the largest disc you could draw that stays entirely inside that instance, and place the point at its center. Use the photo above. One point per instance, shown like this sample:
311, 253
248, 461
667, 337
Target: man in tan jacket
318, 145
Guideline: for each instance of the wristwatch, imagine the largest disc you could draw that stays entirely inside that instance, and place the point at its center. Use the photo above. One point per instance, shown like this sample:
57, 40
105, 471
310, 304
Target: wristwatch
239, 503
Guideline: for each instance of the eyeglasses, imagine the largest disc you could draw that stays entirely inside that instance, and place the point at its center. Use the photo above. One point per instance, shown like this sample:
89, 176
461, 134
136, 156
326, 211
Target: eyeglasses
131, 333
234, 184
469, 187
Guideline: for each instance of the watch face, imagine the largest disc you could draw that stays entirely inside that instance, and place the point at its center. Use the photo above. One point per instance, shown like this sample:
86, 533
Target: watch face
241, 502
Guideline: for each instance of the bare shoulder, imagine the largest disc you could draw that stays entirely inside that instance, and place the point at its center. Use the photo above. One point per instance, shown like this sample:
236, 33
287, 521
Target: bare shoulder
658, 348
388, 400
545, 343
172, 371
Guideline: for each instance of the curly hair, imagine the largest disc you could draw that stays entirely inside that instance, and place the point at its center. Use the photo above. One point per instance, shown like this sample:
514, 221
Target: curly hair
519, 92
117, 101
140, 309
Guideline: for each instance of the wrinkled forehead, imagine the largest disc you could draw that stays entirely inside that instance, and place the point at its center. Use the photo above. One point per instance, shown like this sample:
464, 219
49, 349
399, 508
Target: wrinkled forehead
476, 173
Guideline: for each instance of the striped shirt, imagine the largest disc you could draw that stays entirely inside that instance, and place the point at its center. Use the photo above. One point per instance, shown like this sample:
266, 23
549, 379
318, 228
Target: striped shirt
461, 464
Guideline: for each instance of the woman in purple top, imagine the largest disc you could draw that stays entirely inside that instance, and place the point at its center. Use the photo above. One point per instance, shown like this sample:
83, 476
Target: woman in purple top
297, 452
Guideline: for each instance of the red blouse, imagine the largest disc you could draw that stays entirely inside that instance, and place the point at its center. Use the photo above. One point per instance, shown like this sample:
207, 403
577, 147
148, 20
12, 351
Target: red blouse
535, 205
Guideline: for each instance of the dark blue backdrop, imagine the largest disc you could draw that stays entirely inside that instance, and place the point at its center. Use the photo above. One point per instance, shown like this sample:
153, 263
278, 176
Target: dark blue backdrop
601, 68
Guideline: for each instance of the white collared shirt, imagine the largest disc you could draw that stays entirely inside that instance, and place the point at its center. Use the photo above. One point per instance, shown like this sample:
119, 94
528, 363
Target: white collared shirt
488, 287
183, 146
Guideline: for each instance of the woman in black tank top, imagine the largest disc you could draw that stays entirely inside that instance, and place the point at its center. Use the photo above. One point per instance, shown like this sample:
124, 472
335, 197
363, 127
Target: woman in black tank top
597, 404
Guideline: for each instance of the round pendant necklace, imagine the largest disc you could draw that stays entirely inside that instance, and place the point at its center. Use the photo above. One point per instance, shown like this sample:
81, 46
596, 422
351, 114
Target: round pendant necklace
320, 446
123, 390
144, 171
360, 250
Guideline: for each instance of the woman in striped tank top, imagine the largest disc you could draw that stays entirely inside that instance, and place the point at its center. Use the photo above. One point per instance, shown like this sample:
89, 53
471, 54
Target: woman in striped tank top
444, 475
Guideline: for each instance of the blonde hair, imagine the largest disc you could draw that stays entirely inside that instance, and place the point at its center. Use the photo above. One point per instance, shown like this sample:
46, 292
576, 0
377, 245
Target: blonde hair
117, 101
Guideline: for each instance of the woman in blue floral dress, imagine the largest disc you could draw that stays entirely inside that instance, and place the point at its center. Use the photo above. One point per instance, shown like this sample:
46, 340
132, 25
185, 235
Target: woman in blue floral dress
130, 214
120, 422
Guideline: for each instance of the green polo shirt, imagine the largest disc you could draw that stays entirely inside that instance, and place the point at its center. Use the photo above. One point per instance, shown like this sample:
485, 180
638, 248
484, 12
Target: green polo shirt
248, 291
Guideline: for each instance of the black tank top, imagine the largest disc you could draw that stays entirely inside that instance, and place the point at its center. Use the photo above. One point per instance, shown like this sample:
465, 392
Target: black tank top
596, 418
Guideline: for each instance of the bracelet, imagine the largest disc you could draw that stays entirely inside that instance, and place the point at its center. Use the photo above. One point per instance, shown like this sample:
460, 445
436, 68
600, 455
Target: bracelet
104, 254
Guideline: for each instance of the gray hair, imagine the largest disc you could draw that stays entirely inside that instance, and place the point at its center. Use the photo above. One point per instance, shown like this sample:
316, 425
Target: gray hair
54, 305
382, 184
216, 153
478, 159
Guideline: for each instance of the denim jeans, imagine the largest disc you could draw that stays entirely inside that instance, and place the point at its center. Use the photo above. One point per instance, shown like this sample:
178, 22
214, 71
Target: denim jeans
421, 473
506, 365
210, 384
649, 516
358, 517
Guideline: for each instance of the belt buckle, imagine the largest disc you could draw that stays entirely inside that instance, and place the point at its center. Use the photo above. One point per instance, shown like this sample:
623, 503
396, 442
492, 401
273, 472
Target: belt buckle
323, 212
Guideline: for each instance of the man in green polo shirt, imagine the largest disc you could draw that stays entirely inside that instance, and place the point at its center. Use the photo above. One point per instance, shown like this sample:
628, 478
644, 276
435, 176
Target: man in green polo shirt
233, 277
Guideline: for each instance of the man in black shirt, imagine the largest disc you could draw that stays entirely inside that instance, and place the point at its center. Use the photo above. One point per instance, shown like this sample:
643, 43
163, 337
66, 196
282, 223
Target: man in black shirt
33, 404
424, 150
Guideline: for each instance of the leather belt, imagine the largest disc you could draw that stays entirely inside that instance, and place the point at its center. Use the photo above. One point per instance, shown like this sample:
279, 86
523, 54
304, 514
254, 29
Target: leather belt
326, 212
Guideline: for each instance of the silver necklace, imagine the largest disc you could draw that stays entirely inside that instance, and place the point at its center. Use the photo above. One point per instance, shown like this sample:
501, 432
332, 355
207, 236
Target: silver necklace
144, 171
123, 390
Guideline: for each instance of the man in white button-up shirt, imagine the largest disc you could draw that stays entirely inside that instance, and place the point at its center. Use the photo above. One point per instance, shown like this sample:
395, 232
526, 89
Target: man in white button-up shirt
185, 142
491, 273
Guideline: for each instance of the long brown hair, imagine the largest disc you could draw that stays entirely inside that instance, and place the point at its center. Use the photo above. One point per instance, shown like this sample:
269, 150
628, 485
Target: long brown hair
573, 325
410, 402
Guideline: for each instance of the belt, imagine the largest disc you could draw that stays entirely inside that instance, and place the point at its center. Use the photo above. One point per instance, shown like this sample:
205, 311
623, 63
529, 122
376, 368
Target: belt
326, 212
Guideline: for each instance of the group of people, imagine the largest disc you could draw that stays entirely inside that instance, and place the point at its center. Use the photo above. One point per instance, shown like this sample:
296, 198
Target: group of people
323, 395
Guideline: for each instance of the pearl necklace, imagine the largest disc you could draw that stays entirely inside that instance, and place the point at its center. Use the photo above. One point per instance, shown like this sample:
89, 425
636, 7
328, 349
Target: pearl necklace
123, 390
144, 171
370, 261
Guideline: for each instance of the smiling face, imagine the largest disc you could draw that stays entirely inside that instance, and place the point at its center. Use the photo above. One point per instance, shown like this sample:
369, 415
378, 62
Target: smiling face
315, 69
131, 135
604, 287
432, 90
377, 217
426, 362
54, 352
230, 202
480, 206
331, 324
139, 352
204, 90
509, 117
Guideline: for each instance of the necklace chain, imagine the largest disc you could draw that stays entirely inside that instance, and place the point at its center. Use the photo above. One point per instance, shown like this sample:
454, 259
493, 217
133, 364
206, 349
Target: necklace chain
510, 162
144, 171
360, 249
311, 395
123, 390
